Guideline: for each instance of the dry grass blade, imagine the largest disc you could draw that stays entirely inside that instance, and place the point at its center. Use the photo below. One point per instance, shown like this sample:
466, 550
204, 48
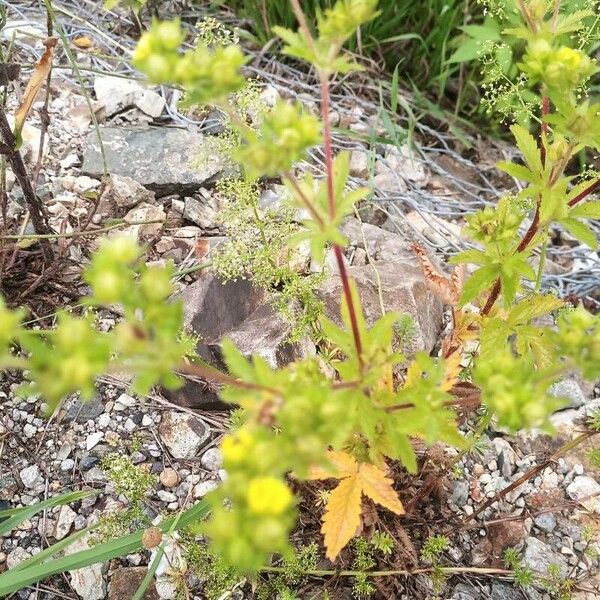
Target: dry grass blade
38, 78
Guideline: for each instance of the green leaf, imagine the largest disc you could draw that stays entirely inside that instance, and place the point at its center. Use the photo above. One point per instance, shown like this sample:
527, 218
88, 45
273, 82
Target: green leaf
17, 516
14, 580
529, 148
478, 282
533, 307
586, 210
468, 51
518, 171
487, 32
581, 231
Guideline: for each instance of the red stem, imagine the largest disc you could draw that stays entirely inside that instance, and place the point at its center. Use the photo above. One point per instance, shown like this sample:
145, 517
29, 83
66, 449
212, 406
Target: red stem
536, 218
594, 187
331, 196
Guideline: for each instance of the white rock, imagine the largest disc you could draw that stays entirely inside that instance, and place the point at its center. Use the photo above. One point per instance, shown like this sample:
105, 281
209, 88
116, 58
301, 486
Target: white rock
165, 587
152, 216
166, 496
359, 163
127, 400
204, 487
88, 582
93, 439
66, 518
17, 556
581, 488
83, 184
151, 103
31, 477
130, 425
212, 459
124, 192
183, 434
67, 464
116, 93
147, 421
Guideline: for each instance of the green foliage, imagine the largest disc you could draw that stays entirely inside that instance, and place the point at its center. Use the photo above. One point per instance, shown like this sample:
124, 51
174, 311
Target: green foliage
262, 247
128, 479
433, 548
359, 408
383, 542
134, 5
523, 575
363, 561
215, 577
294, 573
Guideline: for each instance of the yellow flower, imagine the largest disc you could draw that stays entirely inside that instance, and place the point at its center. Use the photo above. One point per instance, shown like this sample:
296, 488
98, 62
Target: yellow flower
236, 447
268, 496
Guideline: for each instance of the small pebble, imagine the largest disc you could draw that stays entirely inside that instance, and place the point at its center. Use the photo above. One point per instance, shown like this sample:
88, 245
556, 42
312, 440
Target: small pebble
169, 478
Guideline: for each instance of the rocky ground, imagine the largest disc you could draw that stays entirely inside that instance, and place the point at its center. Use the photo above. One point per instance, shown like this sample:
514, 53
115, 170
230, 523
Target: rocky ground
143, 175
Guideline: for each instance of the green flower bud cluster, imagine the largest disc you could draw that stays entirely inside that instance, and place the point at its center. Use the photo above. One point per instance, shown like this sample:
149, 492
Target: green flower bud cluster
207, 75
578, 338
287, 427
337, 24
515, 391
10, 321
559, 69
499, 224
285, 134
262, 504
67, 359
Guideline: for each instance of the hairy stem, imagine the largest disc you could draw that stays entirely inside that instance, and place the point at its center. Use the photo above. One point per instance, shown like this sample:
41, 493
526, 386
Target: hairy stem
332, 210
536, 218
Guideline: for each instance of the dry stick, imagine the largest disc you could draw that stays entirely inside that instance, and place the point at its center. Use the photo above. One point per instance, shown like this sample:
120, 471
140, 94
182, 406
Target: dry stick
44, 114
526, 477
36, 209
399, 572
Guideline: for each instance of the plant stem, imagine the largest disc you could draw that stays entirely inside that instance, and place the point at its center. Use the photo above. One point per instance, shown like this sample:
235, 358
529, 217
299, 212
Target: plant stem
398, 572
36, 209
331, 197
594, 187
73, 234
536, 218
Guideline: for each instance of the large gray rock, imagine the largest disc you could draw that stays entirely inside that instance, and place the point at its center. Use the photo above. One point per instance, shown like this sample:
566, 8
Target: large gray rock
539, 556
238, 310
158, 158
403, 290
394, 267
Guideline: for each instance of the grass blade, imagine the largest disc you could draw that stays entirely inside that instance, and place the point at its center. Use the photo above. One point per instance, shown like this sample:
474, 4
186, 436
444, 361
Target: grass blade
14, 580
17, 516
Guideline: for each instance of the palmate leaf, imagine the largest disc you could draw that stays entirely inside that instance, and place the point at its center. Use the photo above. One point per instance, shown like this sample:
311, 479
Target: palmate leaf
586, 210
529, 148
342, 514
479, 281
533, 307
580, 230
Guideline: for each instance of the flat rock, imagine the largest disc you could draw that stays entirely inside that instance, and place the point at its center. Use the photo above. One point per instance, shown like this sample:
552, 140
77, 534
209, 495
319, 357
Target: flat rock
125, 581
158, 158
539, 556
123, 193
213, 310
403, 290
586, 490
183, 434
89, 581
